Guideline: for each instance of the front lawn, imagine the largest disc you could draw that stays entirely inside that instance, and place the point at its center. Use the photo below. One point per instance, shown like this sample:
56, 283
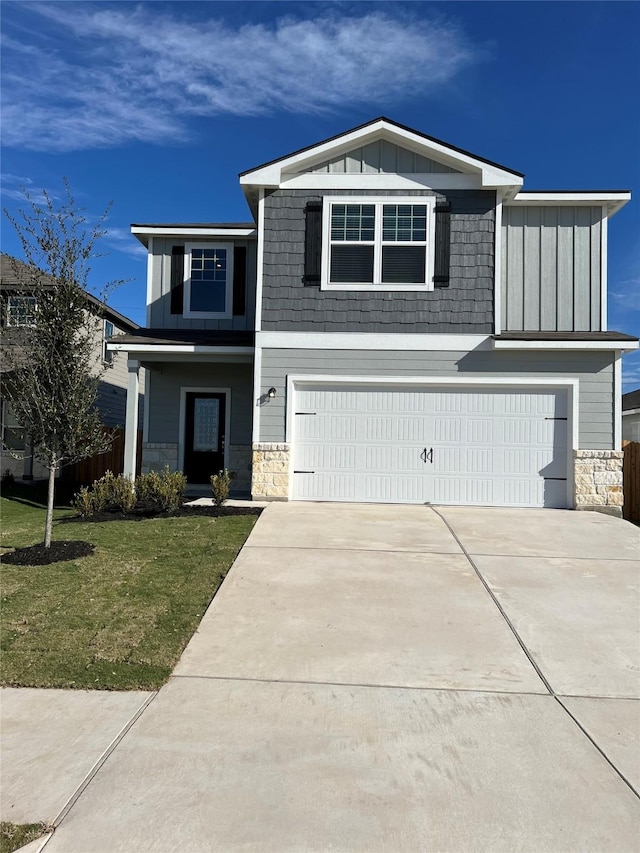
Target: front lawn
120, 618
16, 835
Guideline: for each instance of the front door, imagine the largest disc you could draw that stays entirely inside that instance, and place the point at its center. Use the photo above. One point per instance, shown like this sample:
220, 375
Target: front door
204, 436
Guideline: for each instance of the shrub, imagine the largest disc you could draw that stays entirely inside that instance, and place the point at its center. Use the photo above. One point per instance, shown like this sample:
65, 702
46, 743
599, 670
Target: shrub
7, 477
110, 493
164, 490
220, 484
83, 502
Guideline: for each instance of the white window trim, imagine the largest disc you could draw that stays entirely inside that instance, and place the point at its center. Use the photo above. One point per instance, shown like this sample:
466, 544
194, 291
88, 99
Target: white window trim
429, 201
208, 315
20, 298
108, 354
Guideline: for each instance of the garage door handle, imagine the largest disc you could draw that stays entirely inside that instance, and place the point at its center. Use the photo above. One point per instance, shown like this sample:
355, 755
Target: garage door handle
427, 455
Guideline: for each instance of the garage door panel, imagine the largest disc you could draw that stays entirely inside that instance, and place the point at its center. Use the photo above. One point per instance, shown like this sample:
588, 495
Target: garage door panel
418, 445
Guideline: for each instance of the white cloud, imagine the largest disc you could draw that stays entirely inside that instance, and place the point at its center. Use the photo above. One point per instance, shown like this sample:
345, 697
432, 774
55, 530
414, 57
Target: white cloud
122, 240
103, 76
626, 294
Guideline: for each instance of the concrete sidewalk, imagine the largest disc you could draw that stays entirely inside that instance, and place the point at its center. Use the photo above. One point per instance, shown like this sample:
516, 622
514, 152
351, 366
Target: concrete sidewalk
392, 678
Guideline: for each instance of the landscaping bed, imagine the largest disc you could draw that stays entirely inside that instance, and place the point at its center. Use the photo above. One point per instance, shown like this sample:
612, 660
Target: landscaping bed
119, 618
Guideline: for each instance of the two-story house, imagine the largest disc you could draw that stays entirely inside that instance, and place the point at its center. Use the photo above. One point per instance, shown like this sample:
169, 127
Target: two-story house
399, 322
17, 307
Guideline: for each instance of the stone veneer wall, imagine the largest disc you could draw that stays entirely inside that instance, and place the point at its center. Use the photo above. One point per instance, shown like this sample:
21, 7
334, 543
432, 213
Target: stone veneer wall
240, 465
155, 455
270, 478
598, 480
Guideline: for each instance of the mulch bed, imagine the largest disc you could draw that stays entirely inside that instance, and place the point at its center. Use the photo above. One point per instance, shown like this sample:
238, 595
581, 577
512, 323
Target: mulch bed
38, 555
142, 512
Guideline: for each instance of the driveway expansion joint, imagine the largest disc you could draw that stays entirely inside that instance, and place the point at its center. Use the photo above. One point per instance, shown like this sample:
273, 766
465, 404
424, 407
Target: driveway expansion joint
99, 764
362, 684
530, 656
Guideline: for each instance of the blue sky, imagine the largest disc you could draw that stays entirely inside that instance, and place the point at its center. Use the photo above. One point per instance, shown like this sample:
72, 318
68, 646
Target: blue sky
157, 106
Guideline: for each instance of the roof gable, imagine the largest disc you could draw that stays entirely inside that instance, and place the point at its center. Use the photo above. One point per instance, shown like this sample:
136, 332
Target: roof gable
387, 141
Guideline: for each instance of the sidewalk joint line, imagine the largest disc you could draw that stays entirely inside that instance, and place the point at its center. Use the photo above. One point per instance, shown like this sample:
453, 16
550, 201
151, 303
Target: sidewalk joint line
101, 761
532, 661
358, 684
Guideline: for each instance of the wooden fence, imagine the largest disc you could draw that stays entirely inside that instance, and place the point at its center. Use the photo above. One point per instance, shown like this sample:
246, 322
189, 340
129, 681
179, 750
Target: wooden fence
91, 469
631, 480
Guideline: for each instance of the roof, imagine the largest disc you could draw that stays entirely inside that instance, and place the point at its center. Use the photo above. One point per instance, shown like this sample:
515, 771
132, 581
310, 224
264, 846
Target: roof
193, 224
143, 232
631, 400
188, 337
564, 336
10, 281
388, 121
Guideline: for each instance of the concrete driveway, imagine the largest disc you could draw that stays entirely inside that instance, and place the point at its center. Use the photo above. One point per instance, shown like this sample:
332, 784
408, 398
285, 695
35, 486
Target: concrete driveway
394, 678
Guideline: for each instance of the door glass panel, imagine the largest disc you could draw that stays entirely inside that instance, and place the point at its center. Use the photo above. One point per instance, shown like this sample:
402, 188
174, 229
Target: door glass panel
206, 417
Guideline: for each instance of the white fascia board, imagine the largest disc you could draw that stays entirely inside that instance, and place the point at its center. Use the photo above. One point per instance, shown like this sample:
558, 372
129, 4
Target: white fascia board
144, 234
630, 412
611, 346
372, 341
151, 349
381, 181
272, 175
497, 267
613, 201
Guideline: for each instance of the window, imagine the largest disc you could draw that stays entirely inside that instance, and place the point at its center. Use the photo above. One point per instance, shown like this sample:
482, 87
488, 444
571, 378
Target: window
109, 331
13, 435
208, 280
375, 244
21, 310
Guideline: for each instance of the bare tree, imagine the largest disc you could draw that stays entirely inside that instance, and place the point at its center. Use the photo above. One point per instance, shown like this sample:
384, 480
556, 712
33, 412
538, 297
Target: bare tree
52, 369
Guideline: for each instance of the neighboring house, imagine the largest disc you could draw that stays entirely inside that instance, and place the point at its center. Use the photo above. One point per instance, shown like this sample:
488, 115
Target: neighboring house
400, 322
17, 307
631, 415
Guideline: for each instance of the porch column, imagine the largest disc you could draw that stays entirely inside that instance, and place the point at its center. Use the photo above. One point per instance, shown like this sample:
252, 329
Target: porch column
131, 425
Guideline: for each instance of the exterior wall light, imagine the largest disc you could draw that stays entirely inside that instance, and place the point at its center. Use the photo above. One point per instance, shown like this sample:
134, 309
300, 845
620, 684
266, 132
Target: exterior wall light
271, 393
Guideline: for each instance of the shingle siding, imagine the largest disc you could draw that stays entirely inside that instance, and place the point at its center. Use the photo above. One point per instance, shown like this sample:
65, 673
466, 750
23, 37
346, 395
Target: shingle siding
466, 306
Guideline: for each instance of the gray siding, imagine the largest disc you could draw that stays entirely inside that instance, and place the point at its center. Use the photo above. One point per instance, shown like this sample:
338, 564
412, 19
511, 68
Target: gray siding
465, 306
163, 397
551, 268
593, 369
161, 316
381, 156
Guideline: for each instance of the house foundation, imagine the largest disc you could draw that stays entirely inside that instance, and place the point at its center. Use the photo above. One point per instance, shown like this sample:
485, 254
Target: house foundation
598, 480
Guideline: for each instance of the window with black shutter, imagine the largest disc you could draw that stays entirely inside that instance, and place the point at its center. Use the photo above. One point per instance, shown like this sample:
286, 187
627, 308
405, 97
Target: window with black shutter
383, 244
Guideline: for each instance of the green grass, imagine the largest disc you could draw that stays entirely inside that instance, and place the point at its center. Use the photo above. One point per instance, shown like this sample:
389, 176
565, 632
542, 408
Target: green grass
16, 835
120, 618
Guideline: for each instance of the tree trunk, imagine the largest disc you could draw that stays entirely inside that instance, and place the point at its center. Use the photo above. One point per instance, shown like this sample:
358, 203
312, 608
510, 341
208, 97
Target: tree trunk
49, 521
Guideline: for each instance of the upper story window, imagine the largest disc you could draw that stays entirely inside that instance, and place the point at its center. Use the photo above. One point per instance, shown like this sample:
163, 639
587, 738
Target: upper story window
208, 279
109, 331
378, 244
21, 310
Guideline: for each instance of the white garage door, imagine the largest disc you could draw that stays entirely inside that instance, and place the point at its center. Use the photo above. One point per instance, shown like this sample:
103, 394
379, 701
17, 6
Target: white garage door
492, 447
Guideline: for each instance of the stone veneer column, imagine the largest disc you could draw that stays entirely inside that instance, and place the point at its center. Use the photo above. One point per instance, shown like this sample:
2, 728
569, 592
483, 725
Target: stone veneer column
270, 476
598, 480
155, 455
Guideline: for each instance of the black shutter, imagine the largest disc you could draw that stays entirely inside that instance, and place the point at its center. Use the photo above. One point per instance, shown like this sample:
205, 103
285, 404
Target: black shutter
177, 279
313, 242
443, 244
239, 281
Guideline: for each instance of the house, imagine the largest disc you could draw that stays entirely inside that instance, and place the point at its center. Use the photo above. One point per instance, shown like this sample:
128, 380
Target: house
400, 321
16, 310
631, 415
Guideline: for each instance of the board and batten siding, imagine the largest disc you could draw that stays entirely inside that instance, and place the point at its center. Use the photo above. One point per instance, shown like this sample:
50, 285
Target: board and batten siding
594, 370
163, 397
466, 306
161, 316
383, 157
551, 268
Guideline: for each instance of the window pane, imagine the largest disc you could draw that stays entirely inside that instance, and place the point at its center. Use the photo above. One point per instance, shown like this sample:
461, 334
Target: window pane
208, 296
404, 222
403, 265
352, 264
353, 222
206, 416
